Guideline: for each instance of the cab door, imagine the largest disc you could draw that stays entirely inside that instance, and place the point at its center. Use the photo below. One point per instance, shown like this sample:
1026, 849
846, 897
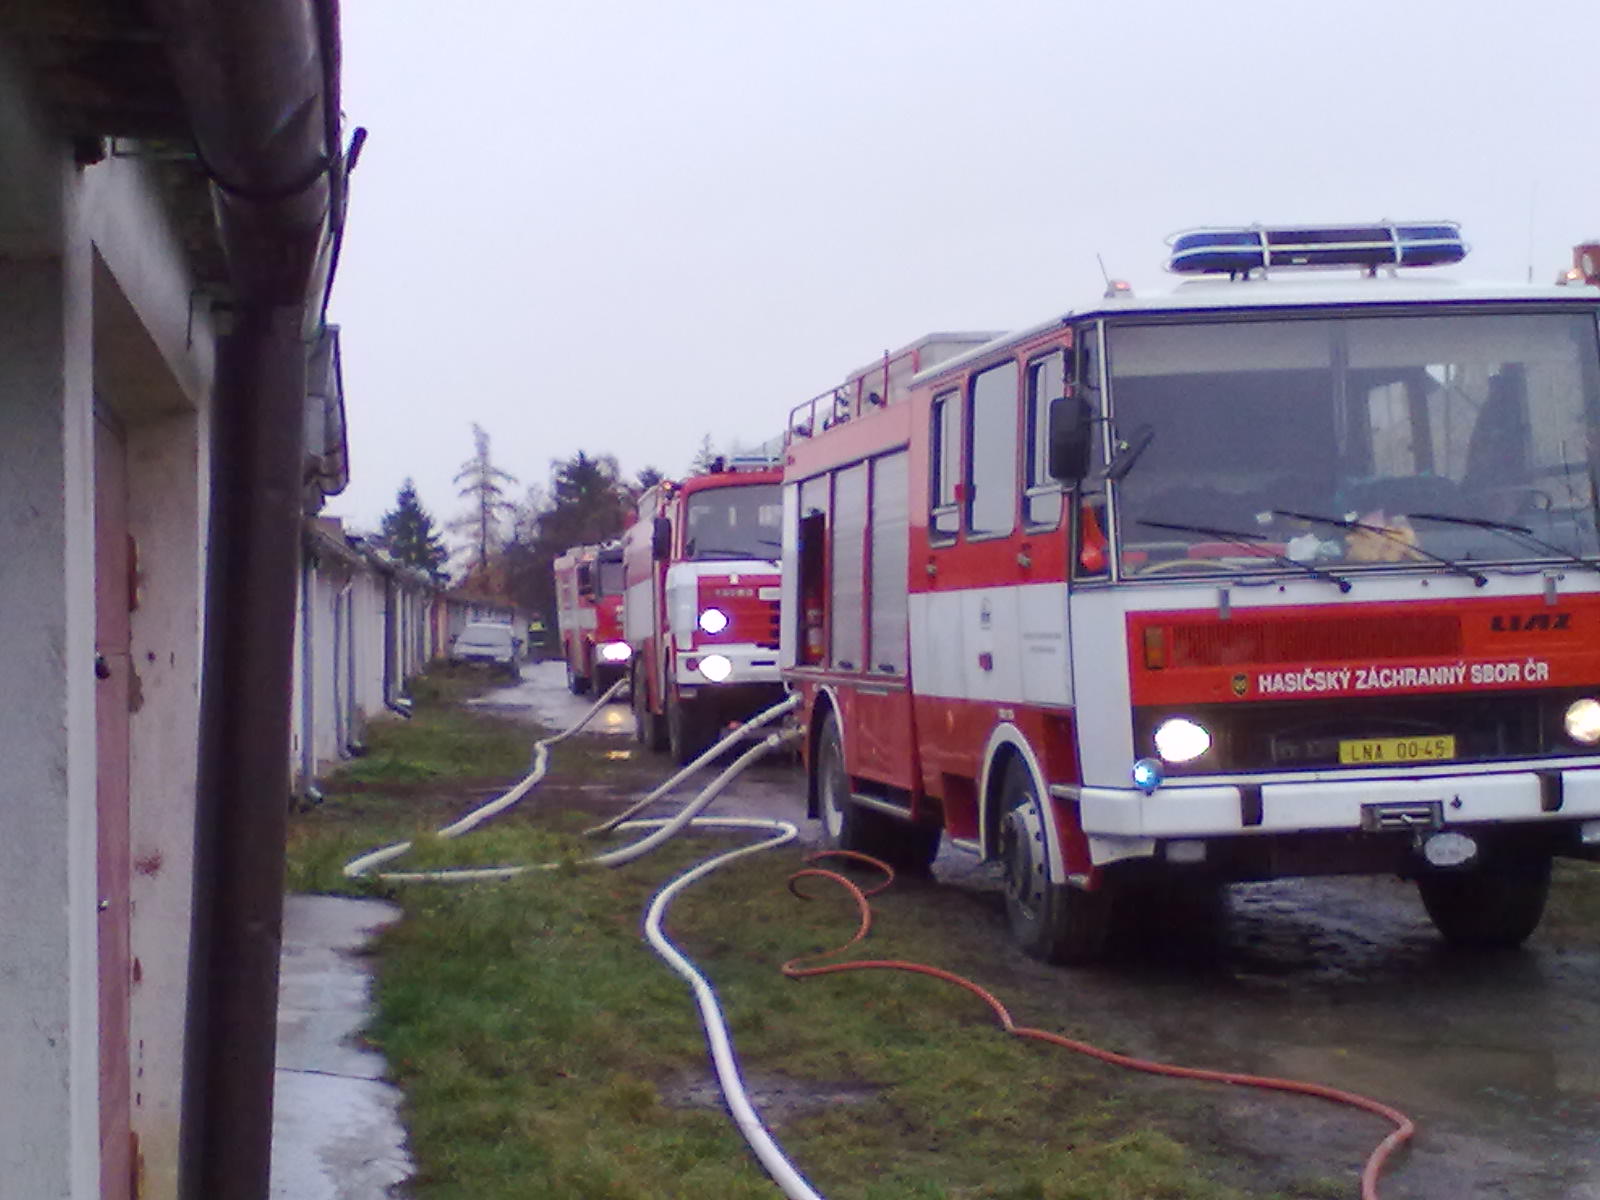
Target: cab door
968, 657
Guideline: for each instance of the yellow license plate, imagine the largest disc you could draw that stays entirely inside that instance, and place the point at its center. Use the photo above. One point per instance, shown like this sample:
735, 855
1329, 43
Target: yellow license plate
1397, 750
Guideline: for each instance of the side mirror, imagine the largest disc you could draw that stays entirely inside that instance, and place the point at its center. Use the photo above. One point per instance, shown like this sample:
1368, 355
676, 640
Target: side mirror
585, 579
1071, 439
661, 538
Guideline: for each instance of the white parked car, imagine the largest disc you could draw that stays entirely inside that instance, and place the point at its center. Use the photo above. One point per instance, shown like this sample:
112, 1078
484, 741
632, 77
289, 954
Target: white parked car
490, 643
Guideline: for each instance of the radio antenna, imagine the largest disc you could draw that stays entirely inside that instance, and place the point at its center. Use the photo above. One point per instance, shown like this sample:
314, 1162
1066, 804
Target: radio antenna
1533, 214
1104, 274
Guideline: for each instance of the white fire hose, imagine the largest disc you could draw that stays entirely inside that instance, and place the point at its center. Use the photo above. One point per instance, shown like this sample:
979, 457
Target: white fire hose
771, 1156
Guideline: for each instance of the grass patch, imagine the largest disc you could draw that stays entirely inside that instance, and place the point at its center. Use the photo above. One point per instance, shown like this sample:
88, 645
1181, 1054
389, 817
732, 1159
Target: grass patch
545, 1051
437, 743
445, 683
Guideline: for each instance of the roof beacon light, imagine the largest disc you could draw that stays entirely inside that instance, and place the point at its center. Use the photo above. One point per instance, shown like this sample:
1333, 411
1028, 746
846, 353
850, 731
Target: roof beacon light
739, 463
1241, 250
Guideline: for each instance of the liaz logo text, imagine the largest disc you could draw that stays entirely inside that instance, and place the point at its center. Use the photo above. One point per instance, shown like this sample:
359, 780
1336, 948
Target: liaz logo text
1528, 622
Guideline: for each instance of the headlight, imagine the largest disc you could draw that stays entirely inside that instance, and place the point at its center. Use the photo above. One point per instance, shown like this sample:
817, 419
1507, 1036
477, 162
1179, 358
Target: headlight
615, 652
713, 620
715, 667
1180, 740
1583, 721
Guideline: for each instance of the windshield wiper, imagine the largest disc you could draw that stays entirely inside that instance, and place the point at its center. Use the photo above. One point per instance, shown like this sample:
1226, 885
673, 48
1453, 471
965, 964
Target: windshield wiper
728, 552
1479, 579
1252, 542
1506, 527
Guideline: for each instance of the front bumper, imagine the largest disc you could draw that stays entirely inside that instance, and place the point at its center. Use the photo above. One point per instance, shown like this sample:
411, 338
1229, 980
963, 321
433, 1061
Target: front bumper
750, 664
487, 660
1346, 803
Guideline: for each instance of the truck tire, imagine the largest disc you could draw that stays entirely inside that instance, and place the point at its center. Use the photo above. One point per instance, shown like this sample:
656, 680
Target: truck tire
907, 847
1494, 906
1050, 920
648, 728
577, 684
686, 731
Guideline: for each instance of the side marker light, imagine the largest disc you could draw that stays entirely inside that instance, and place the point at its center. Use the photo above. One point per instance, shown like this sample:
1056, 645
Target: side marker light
1147, 775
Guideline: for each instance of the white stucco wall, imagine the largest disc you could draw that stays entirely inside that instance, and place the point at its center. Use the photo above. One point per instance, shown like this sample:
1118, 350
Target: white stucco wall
348, 665
49, 1063
93, 298
154, 362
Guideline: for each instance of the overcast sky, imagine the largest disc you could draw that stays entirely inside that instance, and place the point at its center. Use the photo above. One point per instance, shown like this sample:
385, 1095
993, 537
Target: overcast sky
622, 225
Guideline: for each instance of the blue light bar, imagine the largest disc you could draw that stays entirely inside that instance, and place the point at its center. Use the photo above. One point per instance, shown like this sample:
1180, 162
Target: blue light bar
1239, 251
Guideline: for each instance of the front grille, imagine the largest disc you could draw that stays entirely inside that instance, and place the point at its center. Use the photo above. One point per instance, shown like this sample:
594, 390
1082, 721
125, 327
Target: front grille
1239, 643
1305, 734
750, 618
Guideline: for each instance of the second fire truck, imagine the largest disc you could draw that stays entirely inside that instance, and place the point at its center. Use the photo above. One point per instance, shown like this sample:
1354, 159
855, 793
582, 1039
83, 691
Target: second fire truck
1290, 571
701, 612
589, 617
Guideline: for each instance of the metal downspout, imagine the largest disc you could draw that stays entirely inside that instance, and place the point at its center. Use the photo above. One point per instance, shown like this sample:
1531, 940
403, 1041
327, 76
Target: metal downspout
391, 636
259, 79
308, 679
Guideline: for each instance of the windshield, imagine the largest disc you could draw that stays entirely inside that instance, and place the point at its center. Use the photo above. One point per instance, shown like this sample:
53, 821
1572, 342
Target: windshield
608, 577
1356, 440
486, 635
734, 522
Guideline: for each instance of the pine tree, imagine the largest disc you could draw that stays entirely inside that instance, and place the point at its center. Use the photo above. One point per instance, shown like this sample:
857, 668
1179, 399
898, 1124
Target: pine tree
646, 479
587, 504
408, 535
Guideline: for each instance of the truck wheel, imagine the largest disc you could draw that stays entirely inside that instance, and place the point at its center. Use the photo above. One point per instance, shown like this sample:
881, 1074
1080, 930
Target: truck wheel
846, 825
647, 727
577, 684
686, 736
1494, 906
1050, 920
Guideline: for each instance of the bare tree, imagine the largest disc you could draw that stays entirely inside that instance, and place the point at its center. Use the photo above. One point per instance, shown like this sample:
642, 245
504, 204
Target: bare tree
484, 488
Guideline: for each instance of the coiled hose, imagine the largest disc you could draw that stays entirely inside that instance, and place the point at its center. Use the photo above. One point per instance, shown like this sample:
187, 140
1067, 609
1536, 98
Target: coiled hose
788, 1178
780, 832
1403, 1127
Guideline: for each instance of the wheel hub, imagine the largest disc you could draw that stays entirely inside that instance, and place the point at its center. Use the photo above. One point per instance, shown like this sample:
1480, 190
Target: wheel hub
1022, 850
832, 813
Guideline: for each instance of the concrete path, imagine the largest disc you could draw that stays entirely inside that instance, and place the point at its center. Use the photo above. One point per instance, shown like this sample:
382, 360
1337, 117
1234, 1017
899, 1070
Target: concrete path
336, 1132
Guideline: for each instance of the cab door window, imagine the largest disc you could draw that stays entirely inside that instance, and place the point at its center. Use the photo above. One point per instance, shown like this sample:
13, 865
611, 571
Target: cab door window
1042, 498
992, 484
944, 501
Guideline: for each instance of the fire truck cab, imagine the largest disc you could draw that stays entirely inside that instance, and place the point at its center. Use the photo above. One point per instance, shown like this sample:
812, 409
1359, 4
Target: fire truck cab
701, 613
589, 615
1293, 570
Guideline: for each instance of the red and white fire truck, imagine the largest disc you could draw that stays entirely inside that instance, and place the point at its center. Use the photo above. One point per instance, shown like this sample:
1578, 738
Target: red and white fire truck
589, 615
1291, 571
701, 612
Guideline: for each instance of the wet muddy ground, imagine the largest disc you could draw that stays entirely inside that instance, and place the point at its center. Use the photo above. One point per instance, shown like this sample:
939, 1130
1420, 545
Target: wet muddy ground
1340, 981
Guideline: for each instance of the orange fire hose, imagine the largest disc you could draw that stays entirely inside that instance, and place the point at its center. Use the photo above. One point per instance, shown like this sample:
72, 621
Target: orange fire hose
1403, 1127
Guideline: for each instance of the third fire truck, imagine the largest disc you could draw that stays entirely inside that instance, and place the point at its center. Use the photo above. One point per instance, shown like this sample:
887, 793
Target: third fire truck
589, 616
1293, 570
701, 611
